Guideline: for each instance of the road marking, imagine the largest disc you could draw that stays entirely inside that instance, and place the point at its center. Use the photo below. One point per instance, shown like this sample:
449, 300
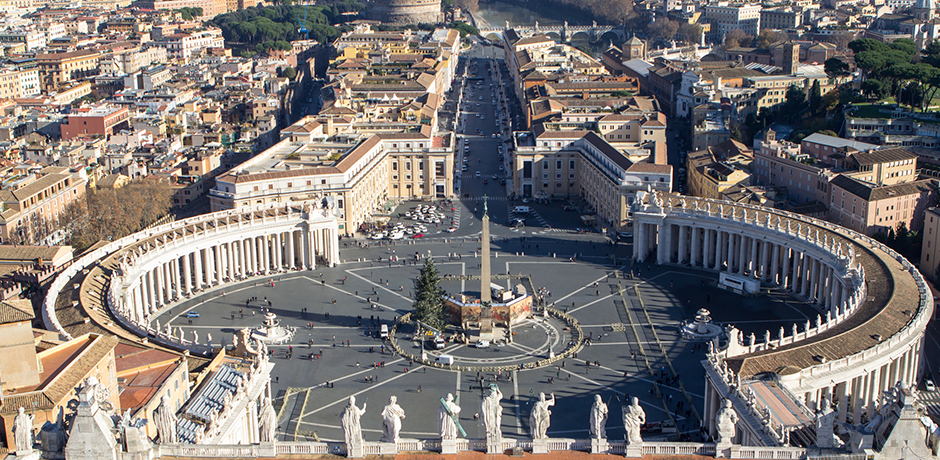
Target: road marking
375, 385
515, 390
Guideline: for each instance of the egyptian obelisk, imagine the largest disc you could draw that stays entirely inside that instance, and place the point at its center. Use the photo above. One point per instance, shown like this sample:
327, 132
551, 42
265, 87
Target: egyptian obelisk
486, 313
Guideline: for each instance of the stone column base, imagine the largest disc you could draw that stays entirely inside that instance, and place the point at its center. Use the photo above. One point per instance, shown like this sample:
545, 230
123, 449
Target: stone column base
388, 448
354, 452
494, 447
599, 446
723, 450
633, 450
540, 446
449, 446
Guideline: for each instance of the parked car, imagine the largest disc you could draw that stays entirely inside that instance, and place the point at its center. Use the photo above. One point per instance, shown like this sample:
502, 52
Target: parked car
929, 386
482, 344
418, 235
192, 314
451, 230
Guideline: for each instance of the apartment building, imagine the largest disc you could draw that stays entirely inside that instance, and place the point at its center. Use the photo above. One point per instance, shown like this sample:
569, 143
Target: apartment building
58, 68
930, 247
32, 39
33, 202
725, 17
102, 120
16, 84
210, 8
780, 18
885, 166
185, 45
869, 208
823, 146
710, 178
358, 177
579, 163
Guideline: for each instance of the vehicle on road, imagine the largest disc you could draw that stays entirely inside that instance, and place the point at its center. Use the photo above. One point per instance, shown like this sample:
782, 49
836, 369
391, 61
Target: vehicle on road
445, 359
929, 386
521, 209
451, 230
378, 236
192, 314
418, 235
478, 173
485, 181
383, 331
482, 344
439, 343
568, 207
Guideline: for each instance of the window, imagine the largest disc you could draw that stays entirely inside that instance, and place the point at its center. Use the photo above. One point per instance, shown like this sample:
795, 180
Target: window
270, 186
290, 184
571, 164
394, 166
545, 164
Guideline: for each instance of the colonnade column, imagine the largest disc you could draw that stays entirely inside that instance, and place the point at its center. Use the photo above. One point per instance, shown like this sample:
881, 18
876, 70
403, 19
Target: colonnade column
805, 270
291, 263
730, 258
696, 247
187, 280
774, 264
754, 262
197, 268
217, 249
683, 245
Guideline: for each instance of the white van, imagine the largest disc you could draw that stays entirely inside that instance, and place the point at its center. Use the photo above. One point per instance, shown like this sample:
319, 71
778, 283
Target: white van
445, 359
521, 210
383, 331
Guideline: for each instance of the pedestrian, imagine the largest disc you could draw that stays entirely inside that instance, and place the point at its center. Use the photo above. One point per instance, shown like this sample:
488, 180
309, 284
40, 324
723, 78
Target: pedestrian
419, 388
277, 379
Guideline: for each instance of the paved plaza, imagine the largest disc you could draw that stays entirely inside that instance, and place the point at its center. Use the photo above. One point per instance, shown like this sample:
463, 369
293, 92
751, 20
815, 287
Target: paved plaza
364, 292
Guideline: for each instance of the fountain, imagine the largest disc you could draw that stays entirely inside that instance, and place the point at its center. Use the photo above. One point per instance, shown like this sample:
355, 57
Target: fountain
702, 328
270, 332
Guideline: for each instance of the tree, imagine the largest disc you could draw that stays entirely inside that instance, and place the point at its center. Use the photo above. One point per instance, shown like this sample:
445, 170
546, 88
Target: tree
429, 301
836, 69
290, 73
815, 97
767, 37
112, 214
689, 33
796, 100
664, 29
736, 38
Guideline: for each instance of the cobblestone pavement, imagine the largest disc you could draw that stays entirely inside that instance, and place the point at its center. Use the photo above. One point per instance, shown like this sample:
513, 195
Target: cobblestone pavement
624, 323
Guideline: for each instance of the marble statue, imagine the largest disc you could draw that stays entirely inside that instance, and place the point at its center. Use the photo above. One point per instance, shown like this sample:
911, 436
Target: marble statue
392, 415
23, 432
445, 423
492, 414
599, 418
352, 431
267, 424
165, 419
633, 417
540, 418
825, 421
726, 419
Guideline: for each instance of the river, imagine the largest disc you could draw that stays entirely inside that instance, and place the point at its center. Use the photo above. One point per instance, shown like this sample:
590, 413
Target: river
497, 13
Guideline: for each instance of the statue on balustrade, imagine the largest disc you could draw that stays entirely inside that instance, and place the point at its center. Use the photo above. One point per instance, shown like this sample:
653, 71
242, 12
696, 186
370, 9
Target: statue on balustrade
540, 418
392, 415
352, 430
825, 421
599, 418
165, 418
492, 414
23, 432
267, 424
633, 417
446, 425
726, 419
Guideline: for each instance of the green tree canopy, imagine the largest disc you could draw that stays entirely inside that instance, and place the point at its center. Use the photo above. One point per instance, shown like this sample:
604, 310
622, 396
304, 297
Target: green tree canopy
429, 301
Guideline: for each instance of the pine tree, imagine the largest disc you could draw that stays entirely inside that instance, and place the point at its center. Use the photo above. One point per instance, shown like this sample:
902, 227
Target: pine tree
429, 303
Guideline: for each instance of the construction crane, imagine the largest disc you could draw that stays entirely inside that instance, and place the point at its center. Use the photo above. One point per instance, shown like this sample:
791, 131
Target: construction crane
303, 25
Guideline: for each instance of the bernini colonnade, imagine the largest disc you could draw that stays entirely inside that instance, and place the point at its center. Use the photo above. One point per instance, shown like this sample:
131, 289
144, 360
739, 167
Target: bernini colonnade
818, 262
